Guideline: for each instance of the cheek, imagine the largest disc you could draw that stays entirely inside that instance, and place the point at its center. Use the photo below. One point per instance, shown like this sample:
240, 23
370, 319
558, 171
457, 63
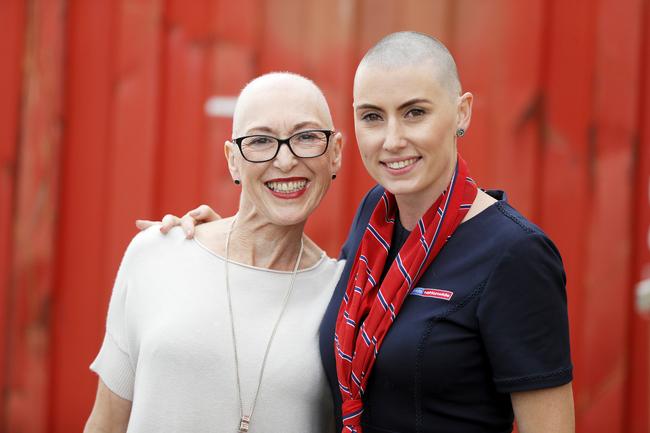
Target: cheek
445, 127
320, 169
367, 150
251, 174
437, 137
370, 140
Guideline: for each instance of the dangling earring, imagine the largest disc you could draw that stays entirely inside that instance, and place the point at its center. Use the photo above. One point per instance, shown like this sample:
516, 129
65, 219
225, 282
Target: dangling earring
333, 176
237, 182
460, 132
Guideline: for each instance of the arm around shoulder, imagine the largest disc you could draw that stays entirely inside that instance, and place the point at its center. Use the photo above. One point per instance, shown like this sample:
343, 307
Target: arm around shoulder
110, 413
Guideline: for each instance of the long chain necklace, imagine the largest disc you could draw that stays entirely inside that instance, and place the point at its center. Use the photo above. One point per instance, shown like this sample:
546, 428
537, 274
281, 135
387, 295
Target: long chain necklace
244, 422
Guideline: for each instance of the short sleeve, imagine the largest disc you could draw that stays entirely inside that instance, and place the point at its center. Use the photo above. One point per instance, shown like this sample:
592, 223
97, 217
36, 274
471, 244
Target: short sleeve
523, 317
113, 363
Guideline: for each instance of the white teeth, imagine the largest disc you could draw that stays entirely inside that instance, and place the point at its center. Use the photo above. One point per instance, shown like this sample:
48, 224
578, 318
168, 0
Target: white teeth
287, 187
401, 164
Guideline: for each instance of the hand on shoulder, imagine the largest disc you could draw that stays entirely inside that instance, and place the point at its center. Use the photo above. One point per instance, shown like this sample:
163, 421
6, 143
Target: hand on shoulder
195, 217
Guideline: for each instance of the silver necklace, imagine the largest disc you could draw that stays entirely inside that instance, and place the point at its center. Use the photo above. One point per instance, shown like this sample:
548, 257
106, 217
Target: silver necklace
245, 420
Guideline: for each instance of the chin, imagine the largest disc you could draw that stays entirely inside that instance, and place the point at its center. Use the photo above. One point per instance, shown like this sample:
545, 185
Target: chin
400, 187
289, 218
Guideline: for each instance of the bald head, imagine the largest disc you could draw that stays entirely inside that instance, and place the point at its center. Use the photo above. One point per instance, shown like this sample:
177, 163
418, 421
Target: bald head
280, 98
404, 49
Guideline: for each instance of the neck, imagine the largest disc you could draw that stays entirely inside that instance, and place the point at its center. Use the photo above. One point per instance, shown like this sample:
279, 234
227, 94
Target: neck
263, 244
413, 206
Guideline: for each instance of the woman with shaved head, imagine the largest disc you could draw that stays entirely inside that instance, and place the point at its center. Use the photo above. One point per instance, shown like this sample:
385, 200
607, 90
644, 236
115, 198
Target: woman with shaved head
219, 333
450, 314
451, 311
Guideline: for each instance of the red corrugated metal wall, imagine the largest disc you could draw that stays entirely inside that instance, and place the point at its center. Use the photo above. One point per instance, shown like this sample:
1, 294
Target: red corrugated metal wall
102, 120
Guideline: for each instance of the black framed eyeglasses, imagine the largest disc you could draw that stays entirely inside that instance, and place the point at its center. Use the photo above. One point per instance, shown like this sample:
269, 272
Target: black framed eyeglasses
311, 143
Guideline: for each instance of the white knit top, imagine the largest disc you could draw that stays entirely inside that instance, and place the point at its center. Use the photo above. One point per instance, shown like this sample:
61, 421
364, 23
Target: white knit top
168, 344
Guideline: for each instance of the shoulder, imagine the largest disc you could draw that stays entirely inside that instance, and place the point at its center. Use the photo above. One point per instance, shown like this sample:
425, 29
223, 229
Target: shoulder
152, 238
526, 260
519, 223
505, 227
511, 245
152, 243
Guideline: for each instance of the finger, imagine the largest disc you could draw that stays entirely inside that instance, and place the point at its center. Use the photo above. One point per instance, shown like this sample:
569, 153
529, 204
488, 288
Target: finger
200, 212
145, 224
169, 221
204, 213
188, 223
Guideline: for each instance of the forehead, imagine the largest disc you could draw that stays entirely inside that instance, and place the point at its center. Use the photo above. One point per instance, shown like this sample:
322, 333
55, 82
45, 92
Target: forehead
279, 108
375, 83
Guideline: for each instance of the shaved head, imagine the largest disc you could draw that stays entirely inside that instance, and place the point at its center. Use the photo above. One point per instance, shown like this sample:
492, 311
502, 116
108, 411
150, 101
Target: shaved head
279, 98
403, 49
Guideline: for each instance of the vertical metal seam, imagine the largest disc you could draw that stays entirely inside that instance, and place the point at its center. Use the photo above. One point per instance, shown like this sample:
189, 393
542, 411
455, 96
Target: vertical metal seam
57, 239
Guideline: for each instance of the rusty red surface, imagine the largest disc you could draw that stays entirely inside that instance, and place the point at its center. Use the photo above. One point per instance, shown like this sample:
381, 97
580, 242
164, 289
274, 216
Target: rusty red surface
638, 342
12, 20
33, 225
103, 119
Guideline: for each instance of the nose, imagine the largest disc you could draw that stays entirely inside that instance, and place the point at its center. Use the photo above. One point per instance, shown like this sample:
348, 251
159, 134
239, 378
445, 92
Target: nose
394, 139
285, 160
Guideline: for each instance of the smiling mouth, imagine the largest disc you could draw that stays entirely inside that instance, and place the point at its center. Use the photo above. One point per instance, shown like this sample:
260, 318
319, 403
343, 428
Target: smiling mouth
286, 187
397, 165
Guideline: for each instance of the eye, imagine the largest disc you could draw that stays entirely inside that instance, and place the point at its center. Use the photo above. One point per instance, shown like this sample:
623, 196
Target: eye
371, 117
307, 136
415, 112
258, 140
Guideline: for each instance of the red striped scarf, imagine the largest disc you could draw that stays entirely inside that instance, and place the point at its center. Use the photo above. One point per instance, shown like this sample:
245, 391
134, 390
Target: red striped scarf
375, 307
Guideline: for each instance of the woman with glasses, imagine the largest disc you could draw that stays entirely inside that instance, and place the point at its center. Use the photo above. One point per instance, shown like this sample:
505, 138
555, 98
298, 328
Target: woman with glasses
220, 333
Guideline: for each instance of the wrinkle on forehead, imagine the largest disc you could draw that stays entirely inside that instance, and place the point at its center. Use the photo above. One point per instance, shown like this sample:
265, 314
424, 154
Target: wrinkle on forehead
280, 100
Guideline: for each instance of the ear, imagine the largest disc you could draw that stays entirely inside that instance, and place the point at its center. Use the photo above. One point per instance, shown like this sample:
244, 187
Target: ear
230, 150
465, 102
336, 144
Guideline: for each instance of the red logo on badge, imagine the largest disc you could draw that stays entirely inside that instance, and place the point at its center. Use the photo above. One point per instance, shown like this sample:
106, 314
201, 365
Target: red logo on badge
433, 293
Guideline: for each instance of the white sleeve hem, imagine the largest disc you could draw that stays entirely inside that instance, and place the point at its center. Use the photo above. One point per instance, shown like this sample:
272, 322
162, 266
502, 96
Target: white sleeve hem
113, 366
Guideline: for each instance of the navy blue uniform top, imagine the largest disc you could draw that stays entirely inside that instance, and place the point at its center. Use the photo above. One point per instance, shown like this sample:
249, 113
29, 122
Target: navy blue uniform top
448, 366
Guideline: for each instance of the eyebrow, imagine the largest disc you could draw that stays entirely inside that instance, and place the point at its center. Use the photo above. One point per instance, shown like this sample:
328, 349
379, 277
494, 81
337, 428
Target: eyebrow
296, 127
402, 106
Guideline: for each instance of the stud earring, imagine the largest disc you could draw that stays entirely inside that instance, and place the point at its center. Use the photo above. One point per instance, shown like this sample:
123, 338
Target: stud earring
333, 176
237, 182
460, 132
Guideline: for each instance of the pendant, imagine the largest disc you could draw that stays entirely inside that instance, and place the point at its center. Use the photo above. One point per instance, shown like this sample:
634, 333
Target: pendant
244, 423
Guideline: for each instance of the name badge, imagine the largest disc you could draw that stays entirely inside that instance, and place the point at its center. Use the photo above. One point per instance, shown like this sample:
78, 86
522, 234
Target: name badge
445, 295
